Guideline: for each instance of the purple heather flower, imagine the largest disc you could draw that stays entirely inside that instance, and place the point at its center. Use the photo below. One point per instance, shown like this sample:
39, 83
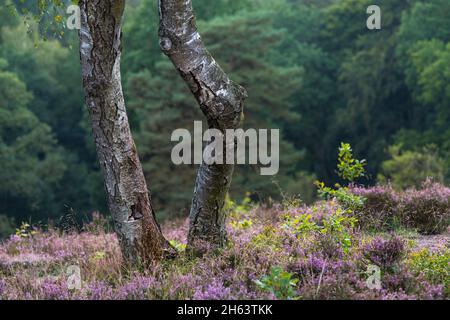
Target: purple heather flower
212, 291
2, 287
136, 288
384, 253
99, 290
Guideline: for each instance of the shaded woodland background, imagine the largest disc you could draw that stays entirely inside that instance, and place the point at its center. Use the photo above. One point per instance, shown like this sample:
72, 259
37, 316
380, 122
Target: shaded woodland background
312, 69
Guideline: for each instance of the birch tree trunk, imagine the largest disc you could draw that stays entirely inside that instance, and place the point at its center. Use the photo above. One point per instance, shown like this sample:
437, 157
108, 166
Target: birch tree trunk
221, 101
139, 234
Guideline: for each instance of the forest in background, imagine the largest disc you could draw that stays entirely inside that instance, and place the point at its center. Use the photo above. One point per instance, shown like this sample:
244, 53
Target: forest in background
312, 69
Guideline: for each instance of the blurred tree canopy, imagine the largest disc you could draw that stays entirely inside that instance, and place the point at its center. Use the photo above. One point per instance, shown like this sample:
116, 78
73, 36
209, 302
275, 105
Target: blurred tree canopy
312, 69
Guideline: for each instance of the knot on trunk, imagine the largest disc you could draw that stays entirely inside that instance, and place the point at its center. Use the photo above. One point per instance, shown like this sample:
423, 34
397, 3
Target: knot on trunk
165, 44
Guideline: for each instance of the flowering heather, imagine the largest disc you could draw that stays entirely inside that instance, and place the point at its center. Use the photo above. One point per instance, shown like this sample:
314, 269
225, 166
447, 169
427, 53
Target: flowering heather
298, 252
136, 288
2, 287
385, 253
380, 207
212, 291
427, 209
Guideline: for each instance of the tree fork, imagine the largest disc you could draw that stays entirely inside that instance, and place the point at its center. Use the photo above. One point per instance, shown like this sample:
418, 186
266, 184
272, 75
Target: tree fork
221, 101
139, 234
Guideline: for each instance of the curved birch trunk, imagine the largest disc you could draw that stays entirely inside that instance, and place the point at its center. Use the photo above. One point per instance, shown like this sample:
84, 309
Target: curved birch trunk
221, 101
139, 234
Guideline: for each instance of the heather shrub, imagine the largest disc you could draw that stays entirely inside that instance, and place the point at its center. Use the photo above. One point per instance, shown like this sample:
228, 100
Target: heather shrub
345, 278
2, 287
99, 290
327, 279
339, 285
385, 253
313, 264
380, 208
326, 245
137, 288
278, 253
409, 285
212, 291
428, 209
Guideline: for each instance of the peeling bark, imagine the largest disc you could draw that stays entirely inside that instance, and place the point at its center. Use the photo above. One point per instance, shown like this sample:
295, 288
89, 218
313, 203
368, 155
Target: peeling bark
139, 234
221, 101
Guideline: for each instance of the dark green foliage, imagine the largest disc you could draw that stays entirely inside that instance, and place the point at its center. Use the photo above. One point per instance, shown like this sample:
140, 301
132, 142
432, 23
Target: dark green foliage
7, 226
411, 168
32, 166
43, 86
280, 283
